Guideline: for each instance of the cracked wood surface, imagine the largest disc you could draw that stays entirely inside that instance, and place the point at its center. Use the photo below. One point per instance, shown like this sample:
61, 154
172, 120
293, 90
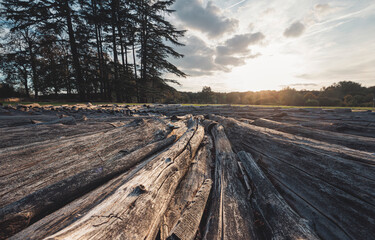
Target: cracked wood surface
199, 170
231, 213
132, 181
134, 211
282, 222
332, 185
188, 224
347, 140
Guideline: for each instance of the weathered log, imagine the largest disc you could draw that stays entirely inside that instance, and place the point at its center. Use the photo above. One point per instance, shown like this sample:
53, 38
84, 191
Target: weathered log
42, 164
188, 224
245, 179
355, 142
199, 170
230, 216
23, 135
68, 214
337, 189
18, 215
283, 222
134, 209
179, 118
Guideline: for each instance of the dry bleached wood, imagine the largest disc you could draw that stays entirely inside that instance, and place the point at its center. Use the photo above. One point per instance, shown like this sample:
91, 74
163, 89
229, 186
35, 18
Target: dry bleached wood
334, 192
135, 209
18, 215
283, 222
23, 135
230, 215
69, 214
199, 170
41, 164
328, 184
188, 224
355, 142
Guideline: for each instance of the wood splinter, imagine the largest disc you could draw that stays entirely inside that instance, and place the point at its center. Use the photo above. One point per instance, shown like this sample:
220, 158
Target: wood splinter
246, 179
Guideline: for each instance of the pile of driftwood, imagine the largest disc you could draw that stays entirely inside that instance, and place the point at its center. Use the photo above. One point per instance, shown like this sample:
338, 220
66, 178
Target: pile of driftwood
186, 172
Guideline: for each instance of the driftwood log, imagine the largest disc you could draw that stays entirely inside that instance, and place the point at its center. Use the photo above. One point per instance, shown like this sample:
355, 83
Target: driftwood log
315, 181
350, 141
230, 215
135, 209
276, 174
41, 164
199, 170
187, 225
18, 215
279, 217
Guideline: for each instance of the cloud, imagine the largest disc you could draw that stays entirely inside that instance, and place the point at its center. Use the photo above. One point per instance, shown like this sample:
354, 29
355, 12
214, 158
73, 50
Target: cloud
201, 59
303, 84
323, 8
209, 20
294, 30
300, 85
234, 51
230, 61
239, 43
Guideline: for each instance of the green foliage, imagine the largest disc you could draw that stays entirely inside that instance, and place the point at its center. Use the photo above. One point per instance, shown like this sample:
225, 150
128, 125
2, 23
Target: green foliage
289, 97
311, 102
81, 48
8, 91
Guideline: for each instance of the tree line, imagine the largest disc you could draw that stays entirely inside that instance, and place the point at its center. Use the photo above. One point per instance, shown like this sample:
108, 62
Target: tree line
344, 93
115, 50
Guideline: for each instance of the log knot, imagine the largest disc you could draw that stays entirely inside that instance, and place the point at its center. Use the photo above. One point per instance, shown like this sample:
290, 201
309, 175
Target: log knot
138, 190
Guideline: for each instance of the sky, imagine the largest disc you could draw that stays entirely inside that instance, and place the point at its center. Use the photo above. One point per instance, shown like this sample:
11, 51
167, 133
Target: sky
252, 45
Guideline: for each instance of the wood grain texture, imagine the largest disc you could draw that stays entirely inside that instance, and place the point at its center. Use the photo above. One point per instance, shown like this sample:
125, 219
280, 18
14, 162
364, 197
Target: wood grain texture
231, 213
199, 170
135, 210
332, 185
281, 220
187, 226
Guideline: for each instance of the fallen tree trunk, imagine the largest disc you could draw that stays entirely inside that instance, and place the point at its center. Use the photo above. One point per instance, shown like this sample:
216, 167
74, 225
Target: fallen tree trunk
42, 164
188, 224
199, 170
134, 209
18, 215
230, 215
24, 135
283, 222
320, 178
355, 142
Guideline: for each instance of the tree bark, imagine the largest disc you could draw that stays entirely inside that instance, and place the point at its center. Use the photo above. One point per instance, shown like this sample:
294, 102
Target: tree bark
75, 54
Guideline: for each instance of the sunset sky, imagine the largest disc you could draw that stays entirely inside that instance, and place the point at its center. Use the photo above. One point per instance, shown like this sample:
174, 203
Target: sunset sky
248, 45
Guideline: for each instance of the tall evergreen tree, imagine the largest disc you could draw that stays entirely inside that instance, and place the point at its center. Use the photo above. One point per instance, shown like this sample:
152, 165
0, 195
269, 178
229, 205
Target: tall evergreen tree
116, 48
155, 34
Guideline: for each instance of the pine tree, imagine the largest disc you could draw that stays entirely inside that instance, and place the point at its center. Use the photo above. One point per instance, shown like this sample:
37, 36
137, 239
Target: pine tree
155, 34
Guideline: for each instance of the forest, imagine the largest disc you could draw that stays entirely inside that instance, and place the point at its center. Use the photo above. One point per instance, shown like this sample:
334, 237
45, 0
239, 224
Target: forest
344, 93
114, 50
